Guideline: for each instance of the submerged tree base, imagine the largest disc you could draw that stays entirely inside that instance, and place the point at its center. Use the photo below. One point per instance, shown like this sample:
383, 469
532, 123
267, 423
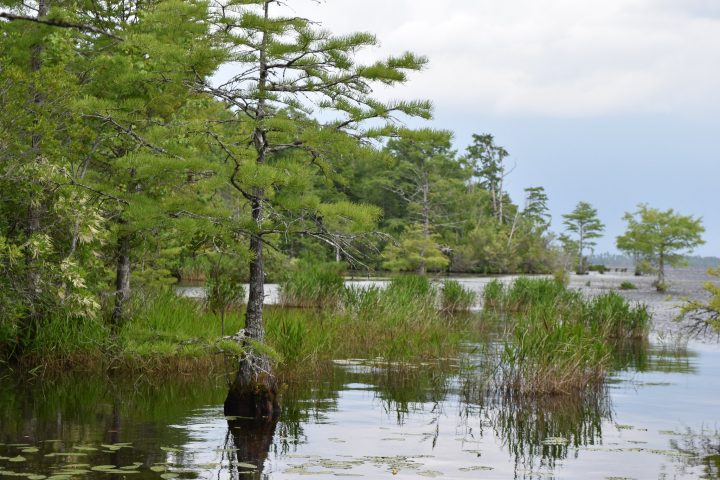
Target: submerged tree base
253, 393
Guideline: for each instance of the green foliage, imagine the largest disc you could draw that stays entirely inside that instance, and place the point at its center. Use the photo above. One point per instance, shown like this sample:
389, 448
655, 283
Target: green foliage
415, 252
313, 285
704, 314
224, 289
455, 297
493, 295
660, 237
584, 223
626, 285
160, 316
561, 342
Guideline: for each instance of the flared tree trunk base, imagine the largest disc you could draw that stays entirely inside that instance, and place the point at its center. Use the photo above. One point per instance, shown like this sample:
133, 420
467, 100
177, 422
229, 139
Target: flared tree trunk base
254, 392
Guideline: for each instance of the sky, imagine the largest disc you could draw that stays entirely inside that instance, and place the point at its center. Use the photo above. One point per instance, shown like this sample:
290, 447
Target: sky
613, 102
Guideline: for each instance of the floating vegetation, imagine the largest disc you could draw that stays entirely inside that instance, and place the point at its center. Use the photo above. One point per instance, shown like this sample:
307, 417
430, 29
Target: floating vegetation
476, 468
170, 449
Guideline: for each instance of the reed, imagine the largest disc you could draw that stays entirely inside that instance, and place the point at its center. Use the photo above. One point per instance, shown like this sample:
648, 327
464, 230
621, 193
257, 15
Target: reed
456, 298
313, 285
561, 341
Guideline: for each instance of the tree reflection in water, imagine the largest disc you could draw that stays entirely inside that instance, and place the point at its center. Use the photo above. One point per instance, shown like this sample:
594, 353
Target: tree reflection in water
247, 445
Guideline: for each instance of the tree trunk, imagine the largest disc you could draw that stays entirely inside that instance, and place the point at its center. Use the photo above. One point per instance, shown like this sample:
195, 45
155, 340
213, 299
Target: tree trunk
29, 326
122, 280
422, 268
253, 392
661, 273
580, 270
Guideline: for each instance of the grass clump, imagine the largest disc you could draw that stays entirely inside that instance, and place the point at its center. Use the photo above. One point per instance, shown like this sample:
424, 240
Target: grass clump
560, 341
455, 297
398, 323
626, 285
164, 325
527, 293
493, 295
612, 317
313, 285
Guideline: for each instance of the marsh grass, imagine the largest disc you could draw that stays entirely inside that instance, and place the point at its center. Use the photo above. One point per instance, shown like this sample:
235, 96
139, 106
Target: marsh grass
456, 298
313, 285
559, 341
399, 323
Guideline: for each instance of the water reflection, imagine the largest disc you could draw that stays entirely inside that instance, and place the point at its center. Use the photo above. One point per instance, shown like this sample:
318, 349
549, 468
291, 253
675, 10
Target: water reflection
247, 445
360, 418
699, 449
539, 432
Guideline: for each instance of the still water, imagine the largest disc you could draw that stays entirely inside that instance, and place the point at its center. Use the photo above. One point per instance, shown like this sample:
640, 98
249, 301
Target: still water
656, 419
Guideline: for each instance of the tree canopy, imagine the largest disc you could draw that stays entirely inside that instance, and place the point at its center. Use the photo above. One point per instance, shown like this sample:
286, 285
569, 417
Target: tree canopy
661, 237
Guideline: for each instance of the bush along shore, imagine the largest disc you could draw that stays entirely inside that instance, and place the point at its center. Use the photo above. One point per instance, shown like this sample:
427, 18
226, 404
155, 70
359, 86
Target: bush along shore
552, 339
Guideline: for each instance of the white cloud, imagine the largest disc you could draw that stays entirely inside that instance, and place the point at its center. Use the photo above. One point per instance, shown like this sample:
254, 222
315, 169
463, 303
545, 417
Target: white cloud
563, 58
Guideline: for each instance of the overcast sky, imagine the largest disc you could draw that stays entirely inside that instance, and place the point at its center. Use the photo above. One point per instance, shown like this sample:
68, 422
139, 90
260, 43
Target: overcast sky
613, 102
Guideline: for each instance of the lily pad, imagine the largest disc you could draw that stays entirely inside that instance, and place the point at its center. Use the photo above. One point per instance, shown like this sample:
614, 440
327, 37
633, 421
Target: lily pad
246, 465
170, 449
30, 450
556, 441
476, 468
430, 473
17, 459
72, 471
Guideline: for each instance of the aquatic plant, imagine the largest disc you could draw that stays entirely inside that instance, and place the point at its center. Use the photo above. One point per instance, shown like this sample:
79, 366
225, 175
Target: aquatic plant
312, 285
626, 285
455, 297
559, 340
611, 316
493, 294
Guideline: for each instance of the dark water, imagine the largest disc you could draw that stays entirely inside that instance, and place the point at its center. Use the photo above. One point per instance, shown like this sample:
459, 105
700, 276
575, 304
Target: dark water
657, 419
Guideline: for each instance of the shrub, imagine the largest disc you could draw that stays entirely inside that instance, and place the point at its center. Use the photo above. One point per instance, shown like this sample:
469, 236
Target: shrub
625, 285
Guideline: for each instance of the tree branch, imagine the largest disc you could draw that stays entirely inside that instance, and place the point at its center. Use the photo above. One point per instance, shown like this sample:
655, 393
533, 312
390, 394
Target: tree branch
59, 23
